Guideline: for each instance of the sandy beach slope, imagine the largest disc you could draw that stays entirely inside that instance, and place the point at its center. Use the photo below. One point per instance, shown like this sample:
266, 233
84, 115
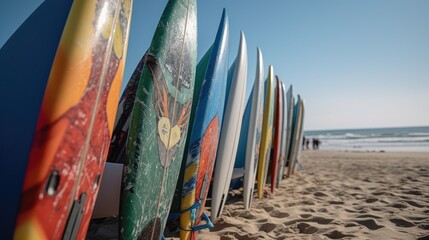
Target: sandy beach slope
337, 195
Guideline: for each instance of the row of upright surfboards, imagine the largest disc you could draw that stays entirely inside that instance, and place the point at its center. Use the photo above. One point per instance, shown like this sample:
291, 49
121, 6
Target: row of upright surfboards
179, 126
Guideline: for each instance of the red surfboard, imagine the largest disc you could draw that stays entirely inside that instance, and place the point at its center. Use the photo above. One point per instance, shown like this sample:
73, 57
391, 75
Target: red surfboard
278, 119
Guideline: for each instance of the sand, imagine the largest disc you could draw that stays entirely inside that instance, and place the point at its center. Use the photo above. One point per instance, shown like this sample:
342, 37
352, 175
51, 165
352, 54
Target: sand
337, 195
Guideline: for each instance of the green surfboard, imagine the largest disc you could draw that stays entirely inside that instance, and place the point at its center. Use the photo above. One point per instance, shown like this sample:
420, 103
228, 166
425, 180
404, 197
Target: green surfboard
159, 124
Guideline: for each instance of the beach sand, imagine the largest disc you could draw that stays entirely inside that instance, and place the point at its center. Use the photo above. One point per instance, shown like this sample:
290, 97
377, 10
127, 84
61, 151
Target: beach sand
337, 195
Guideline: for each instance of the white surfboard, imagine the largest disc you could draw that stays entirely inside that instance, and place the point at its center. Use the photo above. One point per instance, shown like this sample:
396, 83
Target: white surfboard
296, 140
301, 134
290, 99
255, 131
230, 132
284, 137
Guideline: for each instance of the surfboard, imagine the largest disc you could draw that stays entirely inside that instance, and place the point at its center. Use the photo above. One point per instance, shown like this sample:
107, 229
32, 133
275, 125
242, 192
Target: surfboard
26, 59
75, 122
300, 132
204, 134
282, 159
245, 158
254, 132
107, 203
267, 132
278, 125
175, 210
238, 173
290, 100
123, 116
159, 123
230, 133
295, 135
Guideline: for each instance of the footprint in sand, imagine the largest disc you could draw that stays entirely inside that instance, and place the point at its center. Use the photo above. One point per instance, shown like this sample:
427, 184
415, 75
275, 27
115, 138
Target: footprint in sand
424, 226
323, 210
351, 225
268, 208
267, 227
413, 203
413, 192
305, 228
401, 222
278, 214
262, 220
320, 194
370, 224
371, 200
399, 205
337, 235
249, 215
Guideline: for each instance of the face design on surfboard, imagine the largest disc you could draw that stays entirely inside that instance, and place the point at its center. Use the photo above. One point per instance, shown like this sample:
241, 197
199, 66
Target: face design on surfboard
172, 116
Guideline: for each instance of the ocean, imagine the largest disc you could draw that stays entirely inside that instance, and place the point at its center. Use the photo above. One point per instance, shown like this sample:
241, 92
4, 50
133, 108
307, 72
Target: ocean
408, 139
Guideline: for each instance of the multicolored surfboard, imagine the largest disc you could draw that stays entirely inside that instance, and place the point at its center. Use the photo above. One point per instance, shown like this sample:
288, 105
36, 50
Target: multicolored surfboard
278, 125
159, 124
75, 122
205, 133
267, 132
123, 116
231, 126
26, 61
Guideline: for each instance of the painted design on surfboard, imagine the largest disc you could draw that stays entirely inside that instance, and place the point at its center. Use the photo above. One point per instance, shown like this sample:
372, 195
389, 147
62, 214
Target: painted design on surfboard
202, 155
159, 122
123, 117
75, 123
206, 120
172, 117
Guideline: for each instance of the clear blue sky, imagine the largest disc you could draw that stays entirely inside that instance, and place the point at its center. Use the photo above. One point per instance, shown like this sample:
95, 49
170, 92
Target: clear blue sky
357, 64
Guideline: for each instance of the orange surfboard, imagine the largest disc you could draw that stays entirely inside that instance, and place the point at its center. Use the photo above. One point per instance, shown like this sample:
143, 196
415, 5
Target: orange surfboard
75, 123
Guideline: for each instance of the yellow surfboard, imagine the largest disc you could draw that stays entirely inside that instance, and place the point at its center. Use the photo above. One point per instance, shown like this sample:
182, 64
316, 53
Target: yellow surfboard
267, 132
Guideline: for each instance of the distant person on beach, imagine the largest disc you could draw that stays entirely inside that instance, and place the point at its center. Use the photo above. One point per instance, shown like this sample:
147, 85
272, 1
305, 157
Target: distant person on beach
307, 142
315, 143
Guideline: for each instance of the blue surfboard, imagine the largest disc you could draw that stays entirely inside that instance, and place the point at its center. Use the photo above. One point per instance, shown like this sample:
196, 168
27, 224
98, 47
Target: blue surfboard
26, 60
